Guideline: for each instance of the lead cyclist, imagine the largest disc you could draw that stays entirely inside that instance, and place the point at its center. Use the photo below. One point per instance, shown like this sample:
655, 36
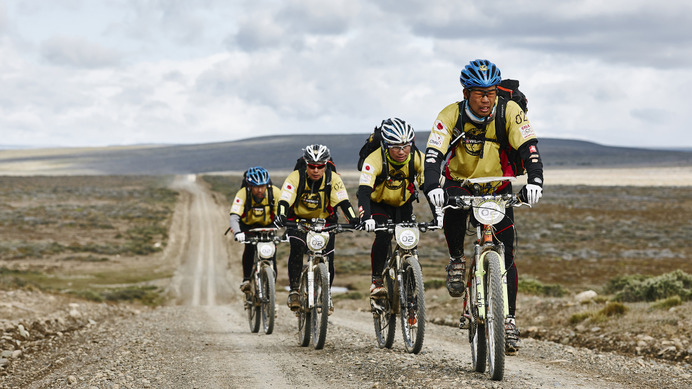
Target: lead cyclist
476, 155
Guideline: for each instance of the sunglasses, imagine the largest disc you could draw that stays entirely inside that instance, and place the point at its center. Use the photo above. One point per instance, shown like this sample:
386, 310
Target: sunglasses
479, 93
401, 147
320, 166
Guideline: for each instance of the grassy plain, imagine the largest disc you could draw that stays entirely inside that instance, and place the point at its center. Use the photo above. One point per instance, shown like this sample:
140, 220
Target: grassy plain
83, 234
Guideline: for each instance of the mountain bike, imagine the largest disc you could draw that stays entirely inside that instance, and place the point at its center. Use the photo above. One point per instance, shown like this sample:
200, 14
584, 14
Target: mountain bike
315, 291
260, 302
486, 305
403, 281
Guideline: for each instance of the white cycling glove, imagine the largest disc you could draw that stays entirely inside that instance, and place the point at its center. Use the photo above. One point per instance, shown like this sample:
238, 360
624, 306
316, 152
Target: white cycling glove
370, 225
437, 197
533, 193
240, 237
439, 217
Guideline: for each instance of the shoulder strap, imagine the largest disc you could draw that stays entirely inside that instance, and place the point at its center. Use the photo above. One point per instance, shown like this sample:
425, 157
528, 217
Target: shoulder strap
270, 196
458, 127
327, 188
501, 123
301, 182
385, 167
248, 200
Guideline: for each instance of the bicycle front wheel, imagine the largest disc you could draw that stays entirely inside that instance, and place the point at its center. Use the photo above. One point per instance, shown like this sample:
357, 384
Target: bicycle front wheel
268, 302
304, 322
320, 311
495, 317
412, 296
383, 318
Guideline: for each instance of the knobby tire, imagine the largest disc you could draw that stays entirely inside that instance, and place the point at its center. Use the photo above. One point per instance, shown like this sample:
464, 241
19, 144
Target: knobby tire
495, 317
385, 321
268, 299
320, 311
253, 309
412, 305
304, 322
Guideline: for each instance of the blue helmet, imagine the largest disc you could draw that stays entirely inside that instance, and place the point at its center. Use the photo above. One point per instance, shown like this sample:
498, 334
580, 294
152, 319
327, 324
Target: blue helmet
257, 176
480, 73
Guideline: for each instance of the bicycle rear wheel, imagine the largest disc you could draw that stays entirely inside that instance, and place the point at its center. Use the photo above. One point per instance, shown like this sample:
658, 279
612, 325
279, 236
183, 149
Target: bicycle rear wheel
412, 296
304, 322
495, 317
384, 319
253, 309
268, 299
320, 311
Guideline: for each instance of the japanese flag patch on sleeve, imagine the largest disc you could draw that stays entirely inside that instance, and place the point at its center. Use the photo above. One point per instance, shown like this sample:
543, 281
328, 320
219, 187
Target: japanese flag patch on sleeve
237, 206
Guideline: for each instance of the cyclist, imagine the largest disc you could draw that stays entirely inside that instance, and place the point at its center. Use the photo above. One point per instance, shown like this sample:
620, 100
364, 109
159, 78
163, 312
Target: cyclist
254, 206
478, 154
312, 190
387, 190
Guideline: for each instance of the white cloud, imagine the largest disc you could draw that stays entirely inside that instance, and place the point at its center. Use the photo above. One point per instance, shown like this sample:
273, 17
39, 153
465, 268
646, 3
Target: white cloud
91, 73
77, 52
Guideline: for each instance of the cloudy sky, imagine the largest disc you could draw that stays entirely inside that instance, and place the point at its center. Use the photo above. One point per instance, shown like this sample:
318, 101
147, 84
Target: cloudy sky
120, 72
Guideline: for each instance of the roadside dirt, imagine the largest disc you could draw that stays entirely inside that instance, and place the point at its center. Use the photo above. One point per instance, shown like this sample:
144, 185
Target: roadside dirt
202, 339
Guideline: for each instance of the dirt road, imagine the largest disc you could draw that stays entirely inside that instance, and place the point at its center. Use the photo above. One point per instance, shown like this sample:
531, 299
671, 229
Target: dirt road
203, 340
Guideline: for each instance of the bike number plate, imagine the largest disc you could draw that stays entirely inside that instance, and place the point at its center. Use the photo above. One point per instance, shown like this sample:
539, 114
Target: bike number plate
489, 211
265, 250
407, 237
317, 241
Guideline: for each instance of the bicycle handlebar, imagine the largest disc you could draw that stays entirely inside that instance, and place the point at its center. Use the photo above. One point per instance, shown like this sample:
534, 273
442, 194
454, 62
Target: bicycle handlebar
319, 225
264, 234
465, 201
423, 227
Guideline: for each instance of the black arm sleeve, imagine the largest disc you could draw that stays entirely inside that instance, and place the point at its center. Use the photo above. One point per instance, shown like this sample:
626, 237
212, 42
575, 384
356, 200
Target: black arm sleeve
532, 162
283, 208
433, 163
347, 209
363, 195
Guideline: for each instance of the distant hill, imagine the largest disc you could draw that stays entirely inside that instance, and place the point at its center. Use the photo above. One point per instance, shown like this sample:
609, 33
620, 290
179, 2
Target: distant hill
281, 152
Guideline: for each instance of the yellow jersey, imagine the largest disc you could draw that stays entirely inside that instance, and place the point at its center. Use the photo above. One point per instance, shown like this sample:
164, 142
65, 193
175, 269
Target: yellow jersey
313, 202
258, 214
395, 190
477, 159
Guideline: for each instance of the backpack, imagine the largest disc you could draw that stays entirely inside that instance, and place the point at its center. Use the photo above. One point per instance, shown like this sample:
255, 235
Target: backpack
507, 90
248, 194
301, 165
374, 142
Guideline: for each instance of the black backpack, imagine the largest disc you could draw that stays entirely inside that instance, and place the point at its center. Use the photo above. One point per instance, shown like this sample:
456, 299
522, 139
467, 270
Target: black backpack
301, 166
507, 90
374, 142
248, 194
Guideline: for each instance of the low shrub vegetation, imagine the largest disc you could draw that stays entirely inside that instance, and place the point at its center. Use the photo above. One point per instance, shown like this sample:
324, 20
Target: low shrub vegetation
535, 287
642, 288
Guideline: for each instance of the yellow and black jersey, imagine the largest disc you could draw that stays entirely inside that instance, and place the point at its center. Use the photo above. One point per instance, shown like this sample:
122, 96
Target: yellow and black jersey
255, 214
313, 202
395, 189
471, 158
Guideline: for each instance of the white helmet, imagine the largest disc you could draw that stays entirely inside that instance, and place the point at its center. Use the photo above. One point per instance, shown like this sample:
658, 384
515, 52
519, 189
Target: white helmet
316, 154
396, 131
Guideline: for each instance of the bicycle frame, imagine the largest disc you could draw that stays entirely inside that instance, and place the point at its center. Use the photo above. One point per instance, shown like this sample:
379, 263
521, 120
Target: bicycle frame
265, 241
484, 244
316, 242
